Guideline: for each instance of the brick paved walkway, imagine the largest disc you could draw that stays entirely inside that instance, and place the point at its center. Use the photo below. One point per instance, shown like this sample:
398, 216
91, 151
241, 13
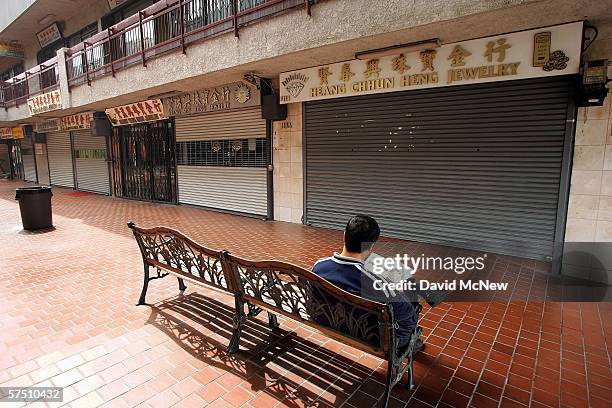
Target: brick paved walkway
68, 319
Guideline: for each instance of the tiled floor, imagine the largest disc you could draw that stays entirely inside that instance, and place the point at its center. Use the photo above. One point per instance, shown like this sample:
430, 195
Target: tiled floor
68, 318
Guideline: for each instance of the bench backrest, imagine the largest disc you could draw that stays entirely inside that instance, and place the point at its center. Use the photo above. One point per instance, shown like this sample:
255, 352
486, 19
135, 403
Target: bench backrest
169, 249
302, 295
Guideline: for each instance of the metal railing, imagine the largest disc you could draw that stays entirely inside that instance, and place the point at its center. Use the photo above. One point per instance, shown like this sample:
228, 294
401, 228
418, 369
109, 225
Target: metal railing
165, 26
38, 80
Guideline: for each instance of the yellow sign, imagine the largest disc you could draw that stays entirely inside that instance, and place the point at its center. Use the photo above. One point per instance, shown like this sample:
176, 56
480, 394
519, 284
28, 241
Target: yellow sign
11, 49
18, 132
519, 55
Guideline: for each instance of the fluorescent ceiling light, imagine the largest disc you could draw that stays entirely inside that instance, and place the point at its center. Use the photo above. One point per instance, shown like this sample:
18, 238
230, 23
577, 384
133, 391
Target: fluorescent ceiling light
48, 19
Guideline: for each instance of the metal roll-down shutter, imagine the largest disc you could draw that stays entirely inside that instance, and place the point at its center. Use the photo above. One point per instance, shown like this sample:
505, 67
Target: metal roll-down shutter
230, 186
90, 162
59, 152
472, 166
27, 156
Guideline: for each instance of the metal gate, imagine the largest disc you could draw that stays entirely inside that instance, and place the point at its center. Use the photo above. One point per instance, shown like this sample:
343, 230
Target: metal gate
59, 153
144, 161
90, 162
476, 166
29, 162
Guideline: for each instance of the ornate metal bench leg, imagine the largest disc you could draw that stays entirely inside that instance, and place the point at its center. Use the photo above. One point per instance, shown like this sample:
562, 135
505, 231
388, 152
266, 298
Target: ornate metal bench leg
410, 374
239, 320
182, 286
145, 285
272, 321
388, 385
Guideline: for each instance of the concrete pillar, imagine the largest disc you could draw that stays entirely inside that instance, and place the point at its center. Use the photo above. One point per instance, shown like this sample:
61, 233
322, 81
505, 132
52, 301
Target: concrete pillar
63, 78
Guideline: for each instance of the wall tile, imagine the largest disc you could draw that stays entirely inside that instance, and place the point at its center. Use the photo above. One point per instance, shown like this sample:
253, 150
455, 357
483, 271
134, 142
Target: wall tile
583, 206
607, 165
604, 212
604, 231
599, 112
609, 133
580, 230
296, 170
591, 132
296, 155
589, 157
284, 214
586, 182
296, 215
606, 183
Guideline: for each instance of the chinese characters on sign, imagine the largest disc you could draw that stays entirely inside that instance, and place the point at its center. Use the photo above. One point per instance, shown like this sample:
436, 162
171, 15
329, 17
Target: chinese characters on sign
6, 133
78, 121
46, 102
12, 133
11, 49
49, 35
520, 55
145, 111
49, 125
231, 96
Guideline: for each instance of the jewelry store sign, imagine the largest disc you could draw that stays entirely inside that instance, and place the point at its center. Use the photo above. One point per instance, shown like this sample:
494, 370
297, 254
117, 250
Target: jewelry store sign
526, 54
220, 98
138, 112
46, 102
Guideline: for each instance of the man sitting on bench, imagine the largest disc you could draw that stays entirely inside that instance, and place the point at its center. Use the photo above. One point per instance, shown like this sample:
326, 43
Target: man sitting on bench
346, 270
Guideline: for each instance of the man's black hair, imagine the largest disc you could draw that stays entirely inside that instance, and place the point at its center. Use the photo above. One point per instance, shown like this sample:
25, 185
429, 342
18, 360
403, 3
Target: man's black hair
361, 233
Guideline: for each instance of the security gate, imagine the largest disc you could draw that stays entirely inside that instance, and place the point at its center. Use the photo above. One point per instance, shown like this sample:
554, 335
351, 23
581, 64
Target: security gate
90, 162
472, 166
222, 161
29, 162
59, 152
144, 161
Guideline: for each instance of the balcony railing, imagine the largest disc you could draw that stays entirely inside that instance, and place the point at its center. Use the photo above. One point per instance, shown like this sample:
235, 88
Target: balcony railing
40, 79
165, 26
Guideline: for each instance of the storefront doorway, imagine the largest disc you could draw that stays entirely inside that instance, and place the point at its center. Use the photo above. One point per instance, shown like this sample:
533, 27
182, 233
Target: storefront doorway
143, 157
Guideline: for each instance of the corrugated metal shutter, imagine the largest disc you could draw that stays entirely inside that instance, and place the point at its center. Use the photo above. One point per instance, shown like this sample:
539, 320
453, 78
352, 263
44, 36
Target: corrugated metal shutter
91, 173
27, 156
475, 166
240, 189
59, 153
234, 124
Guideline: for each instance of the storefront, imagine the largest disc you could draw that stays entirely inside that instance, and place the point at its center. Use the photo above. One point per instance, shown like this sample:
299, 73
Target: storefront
221, 149
466, 145
89, 154
143, 152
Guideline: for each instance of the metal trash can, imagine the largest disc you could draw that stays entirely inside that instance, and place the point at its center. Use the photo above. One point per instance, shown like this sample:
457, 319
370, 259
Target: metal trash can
35, 207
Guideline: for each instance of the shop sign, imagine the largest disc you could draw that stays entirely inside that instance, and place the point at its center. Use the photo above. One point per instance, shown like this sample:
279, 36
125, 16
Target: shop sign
46, 102
49, 125
526, 54
12, 133
49, 35
145, 111
18, 132
11, 49
78, 121
225, 97
6, 133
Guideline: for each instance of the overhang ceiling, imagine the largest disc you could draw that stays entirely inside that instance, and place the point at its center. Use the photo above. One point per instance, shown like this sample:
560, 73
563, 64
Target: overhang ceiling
24, 28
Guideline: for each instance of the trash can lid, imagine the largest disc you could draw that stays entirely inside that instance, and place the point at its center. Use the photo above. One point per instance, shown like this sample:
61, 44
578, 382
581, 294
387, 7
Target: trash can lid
33, 190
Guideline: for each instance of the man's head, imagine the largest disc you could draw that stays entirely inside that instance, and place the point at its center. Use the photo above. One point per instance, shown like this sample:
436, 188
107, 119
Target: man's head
360, 234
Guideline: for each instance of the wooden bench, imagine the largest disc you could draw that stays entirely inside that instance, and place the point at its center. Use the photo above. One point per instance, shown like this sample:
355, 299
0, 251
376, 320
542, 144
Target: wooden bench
280, 288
